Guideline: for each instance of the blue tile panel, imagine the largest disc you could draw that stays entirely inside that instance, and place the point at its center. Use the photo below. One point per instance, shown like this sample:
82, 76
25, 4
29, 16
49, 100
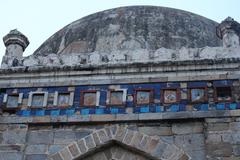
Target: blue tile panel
121, 110
197, 84
201, 107
103, 108
222, 83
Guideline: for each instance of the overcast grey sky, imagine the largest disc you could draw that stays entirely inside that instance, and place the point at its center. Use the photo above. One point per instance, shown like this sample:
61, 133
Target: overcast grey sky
39, 19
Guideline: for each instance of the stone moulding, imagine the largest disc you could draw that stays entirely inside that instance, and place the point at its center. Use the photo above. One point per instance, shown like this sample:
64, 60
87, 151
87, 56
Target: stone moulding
119, 117
150, 147
92, 67
35, 77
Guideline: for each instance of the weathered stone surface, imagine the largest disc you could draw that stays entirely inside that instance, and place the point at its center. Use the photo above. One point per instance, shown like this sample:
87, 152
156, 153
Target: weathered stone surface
137, 138
213, 138
14, 136
114, 34
64, 137
36, 157
235, 126
151, 144
40, 137
82, 146
3, 127
190, 141
128, 137
55, 148
236, 137
218, 126
170, 152
186, 128
99, 156
159, 149
11, 156
103, 137
74, 150
120, 133
57, 156
197, 154
236, 150
82, 133
217, 120
11, 148
90, 142
219, 150
184, 157
227, 137
167, 139
36, 149
157, 130
65, 153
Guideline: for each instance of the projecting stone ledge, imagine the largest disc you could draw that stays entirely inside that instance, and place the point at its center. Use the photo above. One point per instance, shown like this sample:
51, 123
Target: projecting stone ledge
119, 117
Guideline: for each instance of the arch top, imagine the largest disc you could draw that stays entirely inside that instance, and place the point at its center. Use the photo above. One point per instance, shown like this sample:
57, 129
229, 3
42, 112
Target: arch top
148, 146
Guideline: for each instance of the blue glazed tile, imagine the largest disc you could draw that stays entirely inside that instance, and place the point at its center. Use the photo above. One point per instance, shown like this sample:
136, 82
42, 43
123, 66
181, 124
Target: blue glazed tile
220, 106
238, 106
129, 104
19, 113
9, 91
40, 112
222, 83
159, 109
174, 108
197, 84
92, 111
103, 97
114, 110
48, 112
152, 108
204, 107
197, 107
184, 102
99, 111
85, 111
121, 110
182, 107
136, 109
144, 109
32, 112
107, 111
170, 85
70, 112
62, 112
227, 105
25, 113
55, 112
233, 106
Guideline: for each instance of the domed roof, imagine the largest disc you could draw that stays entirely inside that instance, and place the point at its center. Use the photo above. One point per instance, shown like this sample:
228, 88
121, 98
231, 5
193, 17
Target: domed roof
145, 27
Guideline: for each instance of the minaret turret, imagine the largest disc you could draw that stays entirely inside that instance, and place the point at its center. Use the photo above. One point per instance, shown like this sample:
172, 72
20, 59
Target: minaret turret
15, 43
229, 31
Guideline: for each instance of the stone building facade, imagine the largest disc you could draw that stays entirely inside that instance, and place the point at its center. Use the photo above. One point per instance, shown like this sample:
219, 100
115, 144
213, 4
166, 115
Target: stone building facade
129, 83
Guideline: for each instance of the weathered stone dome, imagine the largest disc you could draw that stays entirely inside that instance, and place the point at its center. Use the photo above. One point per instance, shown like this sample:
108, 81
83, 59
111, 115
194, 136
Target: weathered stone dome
145, 27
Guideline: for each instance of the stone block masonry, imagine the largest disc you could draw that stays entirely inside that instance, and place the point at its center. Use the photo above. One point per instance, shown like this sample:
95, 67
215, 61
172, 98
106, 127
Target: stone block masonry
205, 138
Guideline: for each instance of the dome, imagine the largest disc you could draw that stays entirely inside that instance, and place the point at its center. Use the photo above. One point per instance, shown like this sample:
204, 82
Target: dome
143, 27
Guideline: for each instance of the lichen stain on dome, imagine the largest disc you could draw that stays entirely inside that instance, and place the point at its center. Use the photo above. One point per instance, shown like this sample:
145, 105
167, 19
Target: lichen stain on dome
135, 27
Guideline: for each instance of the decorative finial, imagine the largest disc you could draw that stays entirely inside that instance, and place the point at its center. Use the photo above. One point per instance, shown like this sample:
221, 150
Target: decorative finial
229, 31
16, 37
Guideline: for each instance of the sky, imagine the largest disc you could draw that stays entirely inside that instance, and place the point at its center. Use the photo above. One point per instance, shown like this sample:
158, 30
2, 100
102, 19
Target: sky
39, 19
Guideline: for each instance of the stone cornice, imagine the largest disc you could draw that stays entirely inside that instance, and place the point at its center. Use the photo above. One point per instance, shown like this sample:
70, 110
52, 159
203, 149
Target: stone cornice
120, 74
89, 67
107, 118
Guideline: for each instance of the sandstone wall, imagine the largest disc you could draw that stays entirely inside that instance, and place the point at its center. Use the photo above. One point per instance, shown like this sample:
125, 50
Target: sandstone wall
209, 138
